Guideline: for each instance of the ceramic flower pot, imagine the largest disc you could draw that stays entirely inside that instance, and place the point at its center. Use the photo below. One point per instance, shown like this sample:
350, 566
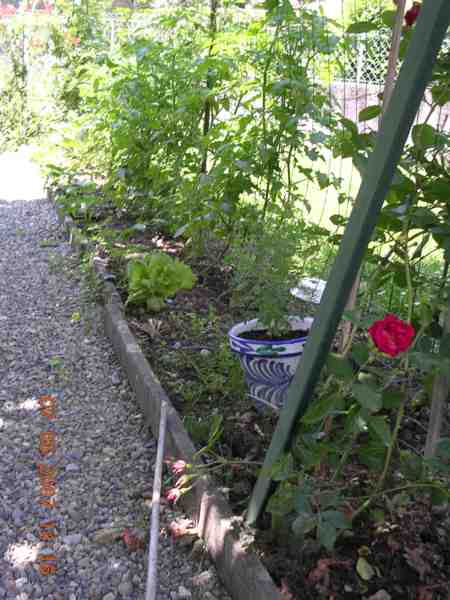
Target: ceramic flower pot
269, 365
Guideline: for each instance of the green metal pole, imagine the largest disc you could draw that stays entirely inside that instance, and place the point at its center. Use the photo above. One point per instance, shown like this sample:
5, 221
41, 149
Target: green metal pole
430, 30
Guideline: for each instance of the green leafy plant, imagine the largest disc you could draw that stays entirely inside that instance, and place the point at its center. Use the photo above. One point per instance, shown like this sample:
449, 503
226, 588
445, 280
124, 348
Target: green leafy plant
264, 271
155, 278
354, 426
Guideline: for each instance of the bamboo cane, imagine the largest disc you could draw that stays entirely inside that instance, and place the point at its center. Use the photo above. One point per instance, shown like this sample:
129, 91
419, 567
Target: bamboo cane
152, 574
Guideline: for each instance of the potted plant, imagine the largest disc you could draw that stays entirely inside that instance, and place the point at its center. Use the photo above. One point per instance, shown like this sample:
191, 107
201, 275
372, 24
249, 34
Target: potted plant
269, 346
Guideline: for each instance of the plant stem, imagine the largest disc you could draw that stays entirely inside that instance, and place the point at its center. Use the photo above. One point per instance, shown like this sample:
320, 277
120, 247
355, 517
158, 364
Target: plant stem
401, 410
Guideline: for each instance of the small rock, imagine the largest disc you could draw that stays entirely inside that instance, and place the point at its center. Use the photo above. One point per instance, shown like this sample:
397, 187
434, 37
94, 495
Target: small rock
17, 516
85, 563
207, 596
72, 540
115, 378
440, 509
380, 595
205, 352
183, 593
72, 467
125, 589
198, 550
21, 582
176, 345
109, 451
109, 596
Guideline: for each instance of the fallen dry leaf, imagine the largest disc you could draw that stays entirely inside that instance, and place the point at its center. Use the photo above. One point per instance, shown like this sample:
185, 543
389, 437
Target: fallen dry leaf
393, 544
134, 540
285, 591
321, 573
183, 531
424, 593
415, 561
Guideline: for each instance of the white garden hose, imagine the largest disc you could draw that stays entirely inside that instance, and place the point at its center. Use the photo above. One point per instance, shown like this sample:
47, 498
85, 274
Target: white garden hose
152, 574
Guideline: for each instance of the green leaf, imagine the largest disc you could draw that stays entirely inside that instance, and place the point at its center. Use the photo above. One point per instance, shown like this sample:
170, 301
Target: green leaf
443, 448
337, 518
440, 189
283, 468
444, 346
362, 27
328, 498
372, 455
326, 534
364, 569
388, 17
302, 499
441, 94
439, 496
303, 524
381, 429
367, 397
370, 112
323, 180
340, 367
282, 502
411, 465
424, 136
360, 353
320, 408
392, 398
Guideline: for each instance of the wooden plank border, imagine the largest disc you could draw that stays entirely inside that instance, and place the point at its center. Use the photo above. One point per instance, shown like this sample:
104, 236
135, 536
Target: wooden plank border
239, 569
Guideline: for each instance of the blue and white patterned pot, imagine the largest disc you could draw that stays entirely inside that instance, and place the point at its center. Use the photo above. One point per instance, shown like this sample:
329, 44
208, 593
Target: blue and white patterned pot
269, 366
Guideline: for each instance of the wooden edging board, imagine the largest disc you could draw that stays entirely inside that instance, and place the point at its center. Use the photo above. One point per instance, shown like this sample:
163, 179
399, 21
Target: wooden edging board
240, 570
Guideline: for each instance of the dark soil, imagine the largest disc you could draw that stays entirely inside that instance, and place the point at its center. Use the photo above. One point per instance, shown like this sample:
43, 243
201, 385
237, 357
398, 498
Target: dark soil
187, 346
264, 334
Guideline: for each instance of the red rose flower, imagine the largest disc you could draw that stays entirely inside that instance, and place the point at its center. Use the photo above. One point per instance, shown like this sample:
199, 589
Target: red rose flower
412, 14
391, 335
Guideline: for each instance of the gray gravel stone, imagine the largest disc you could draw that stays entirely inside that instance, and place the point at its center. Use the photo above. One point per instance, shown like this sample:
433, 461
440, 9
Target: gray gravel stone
97, 426
72, 540
125, 589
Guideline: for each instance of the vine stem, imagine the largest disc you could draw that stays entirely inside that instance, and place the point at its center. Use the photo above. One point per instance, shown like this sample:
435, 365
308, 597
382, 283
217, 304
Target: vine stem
402, 488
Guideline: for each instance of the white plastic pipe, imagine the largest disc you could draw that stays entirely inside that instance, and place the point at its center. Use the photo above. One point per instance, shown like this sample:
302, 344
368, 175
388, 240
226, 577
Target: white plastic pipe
152, 572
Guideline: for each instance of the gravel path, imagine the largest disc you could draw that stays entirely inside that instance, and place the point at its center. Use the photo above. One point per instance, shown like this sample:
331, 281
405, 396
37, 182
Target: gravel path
51, 344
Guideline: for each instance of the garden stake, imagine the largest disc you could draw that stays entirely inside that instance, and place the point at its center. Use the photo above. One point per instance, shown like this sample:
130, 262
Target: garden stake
152, 575
430, 31
439, 398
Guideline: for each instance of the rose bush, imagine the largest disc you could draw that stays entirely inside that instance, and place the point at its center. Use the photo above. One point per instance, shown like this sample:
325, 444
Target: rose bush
391, 335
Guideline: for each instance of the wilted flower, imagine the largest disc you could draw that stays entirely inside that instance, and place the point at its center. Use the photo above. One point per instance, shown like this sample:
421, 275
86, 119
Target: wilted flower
178, 467
173, 494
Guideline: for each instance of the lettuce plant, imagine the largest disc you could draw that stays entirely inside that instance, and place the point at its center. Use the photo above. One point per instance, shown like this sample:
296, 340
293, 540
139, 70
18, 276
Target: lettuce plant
155, 278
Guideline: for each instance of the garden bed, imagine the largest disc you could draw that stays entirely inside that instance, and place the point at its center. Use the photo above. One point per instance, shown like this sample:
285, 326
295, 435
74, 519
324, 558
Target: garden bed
403, 555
